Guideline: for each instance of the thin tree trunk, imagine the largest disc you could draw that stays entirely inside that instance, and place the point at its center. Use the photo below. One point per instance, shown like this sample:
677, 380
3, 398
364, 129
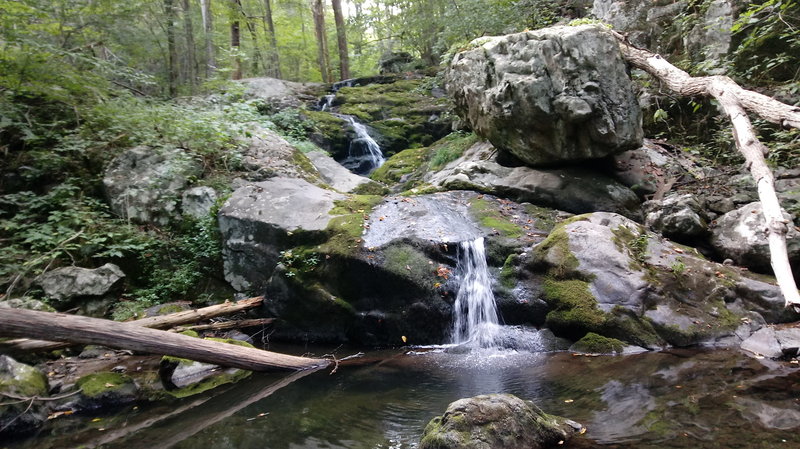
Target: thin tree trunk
191, 59
208, 29
322, 40
736, 103
253, 36
84, 330
236, 73
341, 40
172, 51
274, 68
155, 322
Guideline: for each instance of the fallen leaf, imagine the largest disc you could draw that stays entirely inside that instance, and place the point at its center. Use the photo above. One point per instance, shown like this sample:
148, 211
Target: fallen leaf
404, 339
109, 385
97, 419
569, 401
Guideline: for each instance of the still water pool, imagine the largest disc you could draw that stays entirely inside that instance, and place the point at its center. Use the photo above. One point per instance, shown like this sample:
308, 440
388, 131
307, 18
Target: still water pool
673, 399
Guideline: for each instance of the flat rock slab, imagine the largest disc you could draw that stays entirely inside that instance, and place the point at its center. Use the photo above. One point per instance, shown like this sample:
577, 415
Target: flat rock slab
334, 174
438, 218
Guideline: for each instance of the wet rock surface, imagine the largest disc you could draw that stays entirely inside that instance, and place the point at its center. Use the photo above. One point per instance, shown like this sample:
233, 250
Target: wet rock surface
18, 380
548, 96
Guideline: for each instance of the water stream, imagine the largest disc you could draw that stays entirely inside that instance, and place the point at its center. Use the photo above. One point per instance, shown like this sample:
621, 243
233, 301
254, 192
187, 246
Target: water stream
475, 314
364, 154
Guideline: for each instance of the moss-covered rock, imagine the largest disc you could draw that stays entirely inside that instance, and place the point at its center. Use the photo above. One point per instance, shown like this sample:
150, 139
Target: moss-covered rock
592, 343
105, 390
497, 421
18, 380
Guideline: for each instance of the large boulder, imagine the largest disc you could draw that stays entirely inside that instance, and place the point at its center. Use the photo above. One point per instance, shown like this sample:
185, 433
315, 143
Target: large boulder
576, 189
66, 287
20, 380
280, 94
549, 96
741, 235
496, 421
145, 184
265, 155
604, 273
199, 201
260, 220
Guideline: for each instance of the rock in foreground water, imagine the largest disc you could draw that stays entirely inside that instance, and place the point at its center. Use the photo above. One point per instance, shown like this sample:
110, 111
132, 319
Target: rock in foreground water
496, 421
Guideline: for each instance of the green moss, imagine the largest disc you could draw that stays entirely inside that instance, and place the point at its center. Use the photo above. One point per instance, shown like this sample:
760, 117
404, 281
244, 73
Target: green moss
593, 343
345, 230
307, 169
450, 148
400, 164
226, 377
406, 261
554, 250
508, 278
574, 307
371, 188
94, 385
489, 216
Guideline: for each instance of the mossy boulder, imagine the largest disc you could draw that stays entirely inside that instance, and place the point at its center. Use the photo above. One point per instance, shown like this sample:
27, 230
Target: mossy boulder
592, 343
496, 421
18, 380
103, 391
605, 274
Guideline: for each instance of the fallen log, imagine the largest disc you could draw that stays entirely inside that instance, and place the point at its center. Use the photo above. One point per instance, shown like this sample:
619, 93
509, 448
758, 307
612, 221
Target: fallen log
736, 102
223, 325
25, 345
85, 330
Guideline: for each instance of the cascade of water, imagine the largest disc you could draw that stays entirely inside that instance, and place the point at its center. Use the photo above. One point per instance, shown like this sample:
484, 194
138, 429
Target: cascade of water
327, 102
364, 154
476, 322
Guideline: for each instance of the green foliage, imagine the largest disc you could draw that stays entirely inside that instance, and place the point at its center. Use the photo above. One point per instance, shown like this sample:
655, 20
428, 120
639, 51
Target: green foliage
770, 42
451, 148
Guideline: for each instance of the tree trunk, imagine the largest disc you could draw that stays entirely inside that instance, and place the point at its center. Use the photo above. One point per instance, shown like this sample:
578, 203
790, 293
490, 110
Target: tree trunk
208, 29
172, 51
191, 59
156, 322
736, 103
236, 73
322, 40
274, 68
341, 39
253, 36
84, 330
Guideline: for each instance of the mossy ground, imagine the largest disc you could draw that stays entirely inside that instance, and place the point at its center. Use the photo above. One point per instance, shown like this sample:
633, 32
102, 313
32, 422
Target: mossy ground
402, 163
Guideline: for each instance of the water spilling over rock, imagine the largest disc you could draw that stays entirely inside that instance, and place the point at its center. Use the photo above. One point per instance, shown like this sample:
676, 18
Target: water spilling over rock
364, 155
476, 322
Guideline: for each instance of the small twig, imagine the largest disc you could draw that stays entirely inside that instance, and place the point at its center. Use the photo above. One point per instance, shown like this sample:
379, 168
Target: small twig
30, 404
39, 398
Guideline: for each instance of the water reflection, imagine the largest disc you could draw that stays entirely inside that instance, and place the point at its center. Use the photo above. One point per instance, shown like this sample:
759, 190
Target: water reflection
662, 400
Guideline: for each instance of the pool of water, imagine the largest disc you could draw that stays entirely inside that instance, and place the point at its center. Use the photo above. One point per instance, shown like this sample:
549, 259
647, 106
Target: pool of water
674, 399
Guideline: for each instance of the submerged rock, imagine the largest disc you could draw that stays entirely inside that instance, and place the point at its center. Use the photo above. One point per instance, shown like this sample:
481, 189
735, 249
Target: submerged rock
548, 96
20, 380
741, 236
496, 421
144, 184
68, 286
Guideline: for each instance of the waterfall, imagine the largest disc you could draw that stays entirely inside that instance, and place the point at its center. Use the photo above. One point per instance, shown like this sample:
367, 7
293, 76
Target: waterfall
364, 154
327, 102
475, 322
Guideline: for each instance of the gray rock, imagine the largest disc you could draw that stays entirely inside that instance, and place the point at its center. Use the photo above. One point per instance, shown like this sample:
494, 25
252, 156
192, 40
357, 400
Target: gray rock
103, 391
281, 93
267, 155
646, 169
773, 342
18, 379
548, 96
26, 303
496, 421
605, 274
335, 175
64, 286
575, 190
710, 40
741, 236
258, 220
680, 217
198, 201
145, 184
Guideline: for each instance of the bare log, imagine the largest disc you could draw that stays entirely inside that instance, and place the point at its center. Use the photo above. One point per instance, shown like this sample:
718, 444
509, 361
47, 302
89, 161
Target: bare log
84, 330
736, 102
223, 325
157, 322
